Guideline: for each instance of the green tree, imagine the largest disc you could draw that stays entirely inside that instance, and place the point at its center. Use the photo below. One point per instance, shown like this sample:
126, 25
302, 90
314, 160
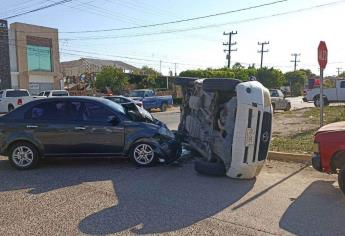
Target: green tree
342, 75
296, 79
270, 77
150, 76
111, 77
237, 65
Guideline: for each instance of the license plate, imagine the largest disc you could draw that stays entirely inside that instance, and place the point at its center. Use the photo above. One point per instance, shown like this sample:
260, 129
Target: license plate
250, 136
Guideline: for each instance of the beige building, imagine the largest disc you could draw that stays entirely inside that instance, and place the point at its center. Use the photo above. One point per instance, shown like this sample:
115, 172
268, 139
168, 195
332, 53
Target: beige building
34, 58
90, 65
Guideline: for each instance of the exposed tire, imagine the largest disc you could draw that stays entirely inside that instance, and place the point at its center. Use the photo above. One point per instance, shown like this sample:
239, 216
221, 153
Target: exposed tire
185, 81
341, 179
317, 101
23, 155
288, 107
210, 168
224, 85
164, 107
142, 154
10, 108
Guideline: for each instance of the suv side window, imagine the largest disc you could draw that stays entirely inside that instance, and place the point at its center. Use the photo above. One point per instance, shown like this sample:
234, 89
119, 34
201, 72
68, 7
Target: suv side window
96, 113
47, 111
342, 84
47, 94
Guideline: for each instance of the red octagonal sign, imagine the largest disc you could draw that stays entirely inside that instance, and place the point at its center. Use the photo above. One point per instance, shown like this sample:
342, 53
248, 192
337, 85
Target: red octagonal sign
322, 54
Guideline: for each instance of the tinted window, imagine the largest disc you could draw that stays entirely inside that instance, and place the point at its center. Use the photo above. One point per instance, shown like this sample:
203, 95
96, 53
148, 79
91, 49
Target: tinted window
74, 111
47, 94
1, 92
17, 93
342, 84
47, 111
39, 58
115, 99
41, 94
96, 113
274, 93
59, 93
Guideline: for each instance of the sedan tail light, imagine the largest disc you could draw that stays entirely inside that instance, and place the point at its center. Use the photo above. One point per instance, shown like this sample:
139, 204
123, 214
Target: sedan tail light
19, 101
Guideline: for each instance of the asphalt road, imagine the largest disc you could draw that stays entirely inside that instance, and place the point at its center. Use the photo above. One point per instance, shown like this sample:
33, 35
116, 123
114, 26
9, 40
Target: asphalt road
98, 197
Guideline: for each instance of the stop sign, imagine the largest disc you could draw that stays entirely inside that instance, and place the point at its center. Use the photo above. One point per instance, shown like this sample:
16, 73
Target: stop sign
322, 54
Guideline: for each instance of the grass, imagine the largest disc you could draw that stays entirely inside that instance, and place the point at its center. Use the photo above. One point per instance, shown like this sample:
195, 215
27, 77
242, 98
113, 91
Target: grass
302, 142
299, 143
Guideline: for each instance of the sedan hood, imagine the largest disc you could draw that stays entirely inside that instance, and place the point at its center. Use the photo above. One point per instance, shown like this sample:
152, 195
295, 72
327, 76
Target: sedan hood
338, 126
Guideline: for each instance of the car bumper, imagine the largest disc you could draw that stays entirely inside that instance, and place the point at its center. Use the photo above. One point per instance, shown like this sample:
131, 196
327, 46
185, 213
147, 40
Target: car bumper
316, 162
169, 150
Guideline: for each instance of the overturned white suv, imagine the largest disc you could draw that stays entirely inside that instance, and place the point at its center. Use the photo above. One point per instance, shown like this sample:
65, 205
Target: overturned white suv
228, 122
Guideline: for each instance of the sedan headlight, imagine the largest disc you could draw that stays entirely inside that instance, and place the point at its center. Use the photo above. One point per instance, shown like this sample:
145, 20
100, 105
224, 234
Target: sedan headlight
166, 132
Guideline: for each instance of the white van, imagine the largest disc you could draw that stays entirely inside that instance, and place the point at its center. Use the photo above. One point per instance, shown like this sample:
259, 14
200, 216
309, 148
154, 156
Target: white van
227, 122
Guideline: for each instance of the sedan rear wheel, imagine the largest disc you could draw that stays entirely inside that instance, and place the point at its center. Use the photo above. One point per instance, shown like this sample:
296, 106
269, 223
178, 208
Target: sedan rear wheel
23, 156
143, 154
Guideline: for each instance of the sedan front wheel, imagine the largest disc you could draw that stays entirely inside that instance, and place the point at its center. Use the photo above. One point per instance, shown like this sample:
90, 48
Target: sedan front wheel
23, 156
142, 154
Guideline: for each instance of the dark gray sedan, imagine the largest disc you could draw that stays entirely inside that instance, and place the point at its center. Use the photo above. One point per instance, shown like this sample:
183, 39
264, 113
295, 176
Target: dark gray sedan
84, 127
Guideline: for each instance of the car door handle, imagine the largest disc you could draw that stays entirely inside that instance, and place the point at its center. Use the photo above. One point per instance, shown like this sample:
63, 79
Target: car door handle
31, 126
79, 128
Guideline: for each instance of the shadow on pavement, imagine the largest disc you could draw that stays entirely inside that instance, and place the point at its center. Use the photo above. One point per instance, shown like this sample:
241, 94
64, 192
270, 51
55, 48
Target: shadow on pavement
150, 200
320, 210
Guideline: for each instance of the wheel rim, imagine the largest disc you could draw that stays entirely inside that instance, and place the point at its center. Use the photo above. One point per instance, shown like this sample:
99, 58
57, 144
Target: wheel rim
143, 154
22, 156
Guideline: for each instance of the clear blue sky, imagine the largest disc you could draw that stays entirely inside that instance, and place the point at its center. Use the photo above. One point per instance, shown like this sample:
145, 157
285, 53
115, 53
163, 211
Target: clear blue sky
292, 33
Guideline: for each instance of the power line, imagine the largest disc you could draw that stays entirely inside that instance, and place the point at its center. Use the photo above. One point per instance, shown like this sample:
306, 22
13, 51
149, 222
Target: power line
262, 51
229, 44
194, 28
179, 21
38, 9
295, 55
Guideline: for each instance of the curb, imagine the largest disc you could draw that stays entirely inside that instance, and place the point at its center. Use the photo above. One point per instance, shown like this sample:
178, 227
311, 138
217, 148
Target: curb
289, 157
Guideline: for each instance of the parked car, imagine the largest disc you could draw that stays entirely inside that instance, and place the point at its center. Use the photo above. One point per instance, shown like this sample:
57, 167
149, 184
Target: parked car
228, 123
330, 95
123, 100
278, 100
150, 100
13, 98
329, 151
83, 127
54, 93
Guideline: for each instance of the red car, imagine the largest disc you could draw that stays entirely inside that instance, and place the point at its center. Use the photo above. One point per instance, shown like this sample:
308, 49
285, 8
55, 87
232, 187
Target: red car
329, 151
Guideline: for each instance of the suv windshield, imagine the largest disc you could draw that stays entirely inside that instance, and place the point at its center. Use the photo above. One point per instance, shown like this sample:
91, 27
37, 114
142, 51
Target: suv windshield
137, 93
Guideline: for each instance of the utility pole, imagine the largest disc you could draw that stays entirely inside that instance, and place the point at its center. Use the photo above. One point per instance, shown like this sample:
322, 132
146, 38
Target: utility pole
175, 70
229, 44
295, 55
338, 70
160, 66
262, 50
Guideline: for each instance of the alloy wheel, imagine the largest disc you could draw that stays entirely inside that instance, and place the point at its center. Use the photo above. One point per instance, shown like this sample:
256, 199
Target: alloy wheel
22, 156
143, 154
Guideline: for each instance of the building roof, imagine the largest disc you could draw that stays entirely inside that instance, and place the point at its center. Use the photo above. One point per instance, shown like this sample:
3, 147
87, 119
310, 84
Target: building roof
99, 62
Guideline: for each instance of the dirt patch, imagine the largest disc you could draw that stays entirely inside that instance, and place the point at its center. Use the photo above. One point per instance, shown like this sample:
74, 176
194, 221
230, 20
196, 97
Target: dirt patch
287, 124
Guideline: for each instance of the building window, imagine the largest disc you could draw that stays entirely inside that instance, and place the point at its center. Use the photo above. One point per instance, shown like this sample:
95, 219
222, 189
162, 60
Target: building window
39, 58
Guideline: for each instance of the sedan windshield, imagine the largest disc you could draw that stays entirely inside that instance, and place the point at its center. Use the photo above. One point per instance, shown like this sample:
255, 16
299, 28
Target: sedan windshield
137, 94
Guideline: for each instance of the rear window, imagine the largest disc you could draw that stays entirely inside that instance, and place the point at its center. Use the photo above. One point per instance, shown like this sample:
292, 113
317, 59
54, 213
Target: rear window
17, 93
59, 93
47, 111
